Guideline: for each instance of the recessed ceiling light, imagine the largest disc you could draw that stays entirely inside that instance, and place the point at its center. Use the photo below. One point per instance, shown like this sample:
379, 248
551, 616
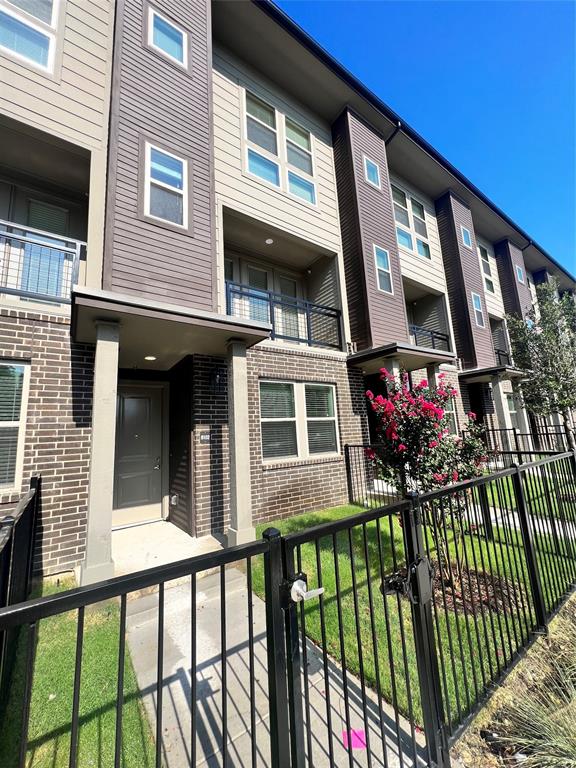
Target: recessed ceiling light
269, 241
150, 358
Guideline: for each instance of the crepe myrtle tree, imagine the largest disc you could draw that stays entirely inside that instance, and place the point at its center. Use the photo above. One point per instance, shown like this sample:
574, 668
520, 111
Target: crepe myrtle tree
416, 449
544, 345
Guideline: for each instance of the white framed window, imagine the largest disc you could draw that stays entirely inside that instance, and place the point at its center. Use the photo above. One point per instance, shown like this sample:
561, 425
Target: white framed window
450, 415
372, 172
478, 311
166, 186
383, 271
28, 31
13, 397
167, 38
411, 228
466, 236
279, 151
298, 420
486, 269
519, 273
513, 410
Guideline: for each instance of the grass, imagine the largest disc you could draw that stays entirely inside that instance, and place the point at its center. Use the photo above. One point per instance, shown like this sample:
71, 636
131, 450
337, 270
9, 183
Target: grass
51, 704
469, 656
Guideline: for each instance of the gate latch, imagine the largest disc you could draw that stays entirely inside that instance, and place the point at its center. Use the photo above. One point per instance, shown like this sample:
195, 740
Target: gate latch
416, 584
298, 591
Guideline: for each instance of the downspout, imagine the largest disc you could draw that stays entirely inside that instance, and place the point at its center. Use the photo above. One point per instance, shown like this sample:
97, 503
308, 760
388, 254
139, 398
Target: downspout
393, 134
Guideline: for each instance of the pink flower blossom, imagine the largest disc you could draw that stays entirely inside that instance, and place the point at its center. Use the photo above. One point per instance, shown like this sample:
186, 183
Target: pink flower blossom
453, 392
401, 448
433, 444
423, 383
454, 476
370, 453
441, 376
439, 477
369, 394
471, 415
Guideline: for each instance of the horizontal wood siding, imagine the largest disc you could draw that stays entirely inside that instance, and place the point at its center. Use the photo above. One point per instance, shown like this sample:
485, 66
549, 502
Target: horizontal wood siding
462, 268
157, 100
356, 292
387, 313
516, 296
73, 104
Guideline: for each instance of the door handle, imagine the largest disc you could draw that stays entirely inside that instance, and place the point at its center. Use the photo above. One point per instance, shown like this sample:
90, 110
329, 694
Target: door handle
157, 463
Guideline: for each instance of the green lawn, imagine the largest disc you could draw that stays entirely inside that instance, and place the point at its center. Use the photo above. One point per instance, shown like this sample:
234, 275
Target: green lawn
51, 706
469, 654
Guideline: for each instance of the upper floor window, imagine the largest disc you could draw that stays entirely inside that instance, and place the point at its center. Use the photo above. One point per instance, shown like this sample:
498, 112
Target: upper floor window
411, 229
466, 237
519, 273
372, 172
279, 151
383, 271
27, 31
478, 311
486, 269
166, 186
12, 397
167, 38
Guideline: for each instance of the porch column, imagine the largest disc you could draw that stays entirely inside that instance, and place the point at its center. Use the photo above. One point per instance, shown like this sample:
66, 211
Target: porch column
432, 371
241, 528
98, 563
523, 420
392, 365
502, 412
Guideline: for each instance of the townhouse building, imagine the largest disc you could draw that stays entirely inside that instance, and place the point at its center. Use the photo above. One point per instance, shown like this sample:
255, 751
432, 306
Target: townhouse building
209, 249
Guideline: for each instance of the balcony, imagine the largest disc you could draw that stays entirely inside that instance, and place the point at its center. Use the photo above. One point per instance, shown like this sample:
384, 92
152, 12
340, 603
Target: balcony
292, 319
37, 265
424, 337
503, 357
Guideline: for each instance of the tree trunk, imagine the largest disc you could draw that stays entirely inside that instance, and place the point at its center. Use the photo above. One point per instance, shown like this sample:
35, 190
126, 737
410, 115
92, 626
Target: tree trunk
569, 430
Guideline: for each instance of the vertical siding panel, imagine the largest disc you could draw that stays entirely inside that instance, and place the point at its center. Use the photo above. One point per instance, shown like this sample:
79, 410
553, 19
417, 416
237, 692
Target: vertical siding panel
516, 296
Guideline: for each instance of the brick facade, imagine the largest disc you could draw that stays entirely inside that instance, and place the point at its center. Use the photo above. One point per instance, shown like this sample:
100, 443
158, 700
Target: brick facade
58, 425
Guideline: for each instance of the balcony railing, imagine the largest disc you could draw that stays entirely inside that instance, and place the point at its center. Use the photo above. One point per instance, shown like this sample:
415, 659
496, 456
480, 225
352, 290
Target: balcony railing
291, 319
424, 337
503, 357
36, 264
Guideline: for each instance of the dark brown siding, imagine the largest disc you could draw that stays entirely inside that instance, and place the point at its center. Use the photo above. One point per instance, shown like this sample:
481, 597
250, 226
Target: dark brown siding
373, 225
516, 296
181, 444
156, 100
463, 277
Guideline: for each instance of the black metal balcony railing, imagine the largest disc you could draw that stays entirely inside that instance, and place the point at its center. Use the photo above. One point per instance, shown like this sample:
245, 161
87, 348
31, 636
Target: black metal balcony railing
291, 319
37, 264
503, 357
424, 337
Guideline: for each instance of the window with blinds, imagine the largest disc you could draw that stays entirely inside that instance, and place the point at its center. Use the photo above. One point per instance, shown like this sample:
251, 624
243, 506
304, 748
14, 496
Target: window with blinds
11, 396
298, 420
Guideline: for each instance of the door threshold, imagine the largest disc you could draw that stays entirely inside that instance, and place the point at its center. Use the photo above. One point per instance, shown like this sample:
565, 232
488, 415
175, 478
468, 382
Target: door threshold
138, 523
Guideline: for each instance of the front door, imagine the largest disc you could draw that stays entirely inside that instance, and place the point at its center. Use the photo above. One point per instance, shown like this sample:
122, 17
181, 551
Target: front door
138, 462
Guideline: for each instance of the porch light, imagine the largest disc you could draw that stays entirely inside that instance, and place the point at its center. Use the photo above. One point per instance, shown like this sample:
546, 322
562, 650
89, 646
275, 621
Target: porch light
269, 241
150, 358
218, 381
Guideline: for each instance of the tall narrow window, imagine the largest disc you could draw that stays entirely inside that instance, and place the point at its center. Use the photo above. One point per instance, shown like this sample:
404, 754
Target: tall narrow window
167, 38
299, 157
478, 311
372, 172
11, 421
320, 419
486, 269
520, 274
466, 237
166, 187
410, 223
383, 271
262, 138
27, 31
278, 420
450, 415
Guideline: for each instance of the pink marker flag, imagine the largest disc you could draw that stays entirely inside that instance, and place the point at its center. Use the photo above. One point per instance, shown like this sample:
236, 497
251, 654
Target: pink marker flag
357, 739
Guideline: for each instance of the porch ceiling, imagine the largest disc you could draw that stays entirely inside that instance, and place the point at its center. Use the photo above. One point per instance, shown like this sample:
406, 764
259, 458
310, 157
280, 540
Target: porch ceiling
167, 332
483, 375
411, 358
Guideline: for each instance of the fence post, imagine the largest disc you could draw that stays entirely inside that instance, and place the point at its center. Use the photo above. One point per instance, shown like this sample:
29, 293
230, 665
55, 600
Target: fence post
533, 575
348, 473
276, 646
427, 660
485, 512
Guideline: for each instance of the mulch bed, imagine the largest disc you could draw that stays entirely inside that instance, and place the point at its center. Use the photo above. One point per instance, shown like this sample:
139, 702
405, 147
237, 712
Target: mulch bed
477, 591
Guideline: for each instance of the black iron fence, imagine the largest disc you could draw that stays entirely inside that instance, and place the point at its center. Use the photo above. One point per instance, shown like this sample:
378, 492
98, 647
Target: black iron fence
292, 319
17, 533
425, 337
541, 438
371, 639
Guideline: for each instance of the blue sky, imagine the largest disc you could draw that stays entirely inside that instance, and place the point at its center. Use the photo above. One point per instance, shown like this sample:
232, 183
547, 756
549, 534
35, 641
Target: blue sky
490, 84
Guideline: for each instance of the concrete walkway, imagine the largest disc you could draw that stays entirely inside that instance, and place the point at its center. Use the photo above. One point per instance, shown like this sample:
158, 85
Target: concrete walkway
243, 694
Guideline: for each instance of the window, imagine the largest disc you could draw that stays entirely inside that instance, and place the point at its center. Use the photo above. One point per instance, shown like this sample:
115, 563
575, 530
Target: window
372, 172
166, 187
486, 269
167, 38
466, 237
519, 273
298, 420
450, 415
12, 389
512, 410
478, 311
410, 223
383, 272
27, 31
279, 151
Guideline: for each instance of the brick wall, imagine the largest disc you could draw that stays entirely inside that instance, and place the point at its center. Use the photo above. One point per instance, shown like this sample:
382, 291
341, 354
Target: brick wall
57, 438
